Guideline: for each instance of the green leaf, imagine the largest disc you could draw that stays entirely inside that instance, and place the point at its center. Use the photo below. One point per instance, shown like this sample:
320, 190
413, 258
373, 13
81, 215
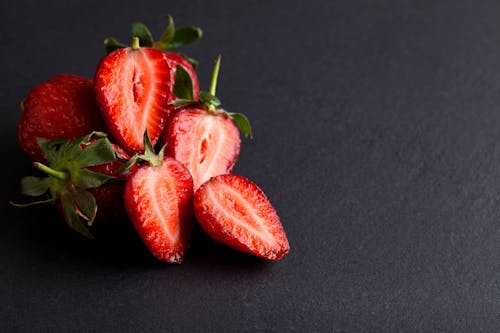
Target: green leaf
185, 36
209, 99
35, 186
192, 61
72, 218
89, 179
149, 151
86, 206
140, 31
128, 164
50, 148
112, 44
91, 136
98, 152
243, 123
167, 35
183, 87
73, 150
182, 102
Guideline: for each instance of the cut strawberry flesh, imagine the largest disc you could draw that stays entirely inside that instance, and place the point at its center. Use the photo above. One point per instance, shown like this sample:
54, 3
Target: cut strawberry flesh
158, 201
235, 211
133, 89
208, 144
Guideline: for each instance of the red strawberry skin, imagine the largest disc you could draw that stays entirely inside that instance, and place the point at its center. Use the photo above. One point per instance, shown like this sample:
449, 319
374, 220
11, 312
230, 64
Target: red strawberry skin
62, 107
206, 142
109, 197
177, 59
158, 201
234, 211
133, 88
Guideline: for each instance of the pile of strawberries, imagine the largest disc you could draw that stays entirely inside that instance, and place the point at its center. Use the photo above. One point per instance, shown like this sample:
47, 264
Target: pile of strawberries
171, 158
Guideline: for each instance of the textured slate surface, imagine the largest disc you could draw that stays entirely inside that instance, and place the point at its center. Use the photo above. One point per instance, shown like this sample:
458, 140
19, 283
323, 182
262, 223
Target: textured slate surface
376, 129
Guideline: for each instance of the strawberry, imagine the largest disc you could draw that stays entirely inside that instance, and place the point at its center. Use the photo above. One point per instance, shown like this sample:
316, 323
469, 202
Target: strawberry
109, 196
135, 85
158, 200
62, 107
234, 211
183, 67
78, 179
203, 137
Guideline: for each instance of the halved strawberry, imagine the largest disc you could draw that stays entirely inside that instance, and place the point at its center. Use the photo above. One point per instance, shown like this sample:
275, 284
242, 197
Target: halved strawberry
158, 200
207, 143
204, 138
133, 89
183, 68
234, 211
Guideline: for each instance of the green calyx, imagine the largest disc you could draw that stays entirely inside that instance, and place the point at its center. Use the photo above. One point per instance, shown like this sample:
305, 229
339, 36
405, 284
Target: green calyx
149, 156
207, 99
68, 178
172, 37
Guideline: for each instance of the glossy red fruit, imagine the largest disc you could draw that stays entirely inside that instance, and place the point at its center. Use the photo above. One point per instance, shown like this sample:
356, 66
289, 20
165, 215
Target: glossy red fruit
158, 200
234, 211
133, 87
206, 142
62, 107
109, 197
175, 60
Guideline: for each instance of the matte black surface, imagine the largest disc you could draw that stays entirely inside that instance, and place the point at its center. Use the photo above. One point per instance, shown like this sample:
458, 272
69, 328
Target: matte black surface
376, 137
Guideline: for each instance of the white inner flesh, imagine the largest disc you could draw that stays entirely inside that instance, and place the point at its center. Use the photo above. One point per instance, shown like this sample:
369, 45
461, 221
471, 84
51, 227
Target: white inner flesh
249, 212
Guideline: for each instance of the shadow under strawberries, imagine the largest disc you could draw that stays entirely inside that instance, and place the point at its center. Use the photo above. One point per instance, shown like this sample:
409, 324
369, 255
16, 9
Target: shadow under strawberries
40, 233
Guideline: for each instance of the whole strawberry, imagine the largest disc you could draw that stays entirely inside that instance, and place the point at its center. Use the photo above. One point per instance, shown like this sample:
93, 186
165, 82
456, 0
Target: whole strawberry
135, 85
83, 178
62, 107
204, 137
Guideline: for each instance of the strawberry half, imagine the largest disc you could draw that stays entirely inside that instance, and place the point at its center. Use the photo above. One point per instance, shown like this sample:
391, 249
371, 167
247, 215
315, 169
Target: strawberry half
133, 90
234, 211
203, 137
61, 107
183, 68
158, 200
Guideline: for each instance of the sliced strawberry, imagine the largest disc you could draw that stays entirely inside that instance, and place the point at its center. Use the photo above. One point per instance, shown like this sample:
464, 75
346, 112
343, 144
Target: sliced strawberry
158, 200
207, 143
133, 89
203, 137
234, 211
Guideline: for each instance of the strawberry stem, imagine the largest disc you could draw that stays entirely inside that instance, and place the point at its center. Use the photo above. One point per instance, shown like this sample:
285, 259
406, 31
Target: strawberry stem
61, 175
215, 74
135, 43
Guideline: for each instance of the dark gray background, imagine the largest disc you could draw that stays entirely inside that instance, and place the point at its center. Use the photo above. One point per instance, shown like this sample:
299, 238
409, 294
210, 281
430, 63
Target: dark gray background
377, 138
